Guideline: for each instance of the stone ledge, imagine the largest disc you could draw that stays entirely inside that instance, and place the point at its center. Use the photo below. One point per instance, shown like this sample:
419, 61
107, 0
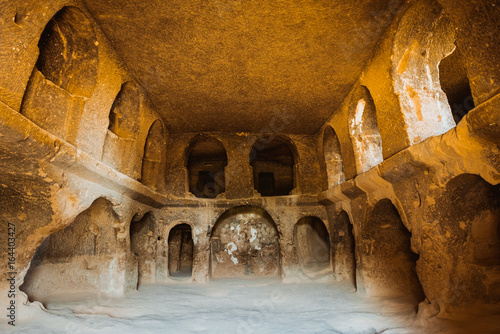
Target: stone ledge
68, 158
484, 121
479, 125
289, 200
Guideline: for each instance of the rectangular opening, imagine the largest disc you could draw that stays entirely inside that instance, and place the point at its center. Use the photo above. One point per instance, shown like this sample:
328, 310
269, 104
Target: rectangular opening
206, 184
266, 184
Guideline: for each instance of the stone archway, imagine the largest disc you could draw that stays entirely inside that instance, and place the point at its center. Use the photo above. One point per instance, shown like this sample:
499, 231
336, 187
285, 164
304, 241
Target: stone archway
180, 251
387, 260
85, 257
65, 74
206, 162
273, 163
312, 242
245, 242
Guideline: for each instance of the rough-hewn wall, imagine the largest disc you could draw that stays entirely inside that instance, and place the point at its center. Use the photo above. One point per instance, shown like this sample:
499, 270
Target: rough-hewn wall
446, 193
60, 81
65, 147
445, 186
238, 172
203, 215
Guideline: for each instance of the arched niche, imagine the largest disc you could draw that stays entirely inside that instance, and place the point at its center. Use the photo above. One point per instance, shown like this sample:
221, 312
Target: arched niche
467, 220
124, 116
416, 57
312, 243
143, 242
65, 73
273, 165
343, 248
388, 262
68, 52
123, 132
206, 164
455, 83
180, 251
363, 130
333, 158
469, 210
153, 163
244, 242
81, 258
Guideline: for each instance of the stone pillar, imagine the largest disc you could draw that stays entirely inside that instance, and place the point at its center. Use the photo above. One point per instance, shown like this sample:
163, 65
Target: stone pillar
239, 173
176, 175
201, 256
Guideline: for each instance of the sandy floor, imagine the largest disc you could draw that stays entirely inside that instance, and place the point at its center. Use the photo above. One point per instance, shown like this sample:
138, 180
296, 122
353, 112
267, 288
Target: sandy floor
231, 306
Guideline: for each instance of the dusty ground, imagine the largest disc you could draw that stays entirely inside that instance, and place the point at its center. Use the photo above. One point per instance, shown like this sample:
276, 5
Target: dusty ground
236, 306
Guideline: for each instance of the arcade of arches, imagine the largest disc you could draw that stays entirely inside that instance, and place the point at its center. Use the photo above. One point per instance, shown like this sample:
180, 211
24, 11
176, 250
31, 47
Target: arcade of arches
178, 143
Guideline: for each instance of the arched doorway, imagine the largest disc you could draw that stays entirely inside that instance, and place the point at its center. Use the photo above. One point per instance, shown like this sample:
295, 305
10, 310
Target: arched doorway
467, 227
81, 258
245, 242
312, 243
206, 162
273, 167
180, 251
388, 263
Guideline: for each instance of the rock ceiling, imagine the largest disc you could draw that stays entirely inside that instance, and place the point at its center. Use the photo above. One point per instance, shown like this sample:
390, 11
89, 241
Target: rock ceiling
230, 65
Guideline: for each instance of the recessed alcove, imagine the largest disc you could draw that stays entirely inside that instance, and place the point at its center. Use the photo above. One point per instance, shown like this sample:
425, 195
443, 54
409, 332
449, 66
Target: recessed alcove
312, 242
65, 73
206, 164
455, 83
388, 246
273, 165
244, 243
363, 130
180, 251
79, 259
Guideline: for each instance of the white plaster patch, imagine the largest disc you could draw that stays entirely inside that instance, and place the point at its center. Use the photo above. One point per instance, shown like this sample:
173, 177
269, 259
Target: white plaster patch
254, 234
195, 236
360, 108
231, 250
429, 76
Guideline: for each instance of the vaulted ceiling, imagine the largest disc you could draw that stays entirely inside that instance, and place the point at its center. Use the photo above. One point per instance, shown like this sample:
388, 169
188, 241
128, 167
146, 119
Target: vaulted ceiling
228, 65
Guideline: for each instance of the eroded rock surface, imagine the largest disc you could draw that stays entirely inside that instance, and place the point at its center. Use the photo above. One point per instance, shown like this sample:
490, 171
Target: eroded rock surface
158, 142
